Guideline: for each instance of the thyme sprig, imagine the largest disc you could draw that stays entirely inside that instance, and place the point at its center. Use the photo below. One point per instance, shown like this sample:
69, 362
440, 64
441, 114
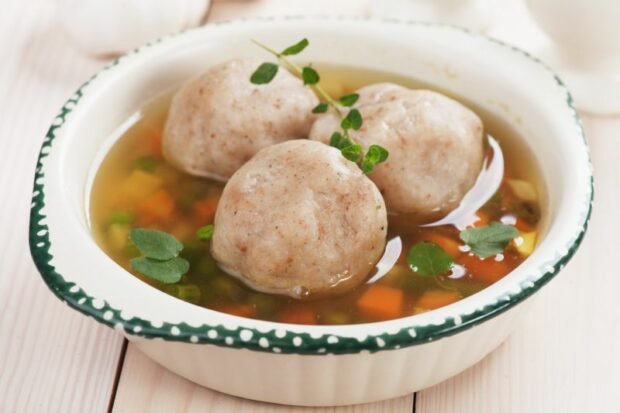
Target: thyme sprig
349, 116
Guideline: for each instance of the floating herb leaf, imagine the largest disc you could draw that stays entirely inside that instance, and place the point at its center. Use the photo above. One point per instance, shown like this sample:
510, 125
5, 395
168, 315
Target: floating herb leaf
429, 259
264, 74
168, 271
310, 76
161, 259
349, 100
296, 48
320, 108
489, 240
155, 244
205, 233
374, 156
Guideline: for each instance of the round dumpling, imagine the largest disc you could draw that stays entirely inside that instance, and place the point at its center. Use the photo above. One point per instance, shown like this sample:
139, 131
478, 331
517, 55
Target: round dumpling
219, 120
299, 219
435, 145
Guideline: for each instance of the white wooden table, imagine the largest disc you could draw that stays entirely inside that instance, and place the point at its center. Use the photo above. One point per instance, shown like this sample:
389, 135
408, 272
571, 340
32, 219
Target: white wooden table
563, 358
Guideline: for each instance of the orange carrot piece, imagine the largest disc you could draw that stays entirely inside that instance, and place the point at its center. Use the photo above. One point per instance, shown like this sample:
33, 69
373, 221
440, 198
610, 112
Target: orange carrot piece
432, 299
381, 302
448, 244
239, 310
204, 210
297, 314
158, 206
483, 219
523, 226
487, 270
155, 144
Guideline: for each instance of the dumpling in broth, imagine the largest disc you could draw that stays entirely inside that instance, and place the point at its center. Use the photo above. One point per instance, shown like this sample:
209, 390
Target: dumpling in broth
435, 145
219, 120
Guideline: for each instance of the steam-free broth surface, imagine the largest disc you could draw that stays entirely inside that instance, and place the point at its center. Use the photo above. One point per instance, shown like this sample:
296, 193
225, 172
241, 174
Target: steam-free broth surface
135, 187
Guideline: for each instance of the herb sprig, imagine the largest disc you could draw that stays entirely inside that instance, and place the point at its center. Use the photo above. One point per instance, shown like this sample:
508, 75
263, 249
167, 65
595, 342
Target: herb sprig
160, 250
160, 259
349, 116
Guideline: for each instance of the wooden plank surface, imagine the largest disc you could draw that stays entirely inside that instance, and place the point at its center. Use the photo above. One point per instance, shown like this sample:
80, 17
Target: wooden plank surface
52, 359
145, 386
563, 358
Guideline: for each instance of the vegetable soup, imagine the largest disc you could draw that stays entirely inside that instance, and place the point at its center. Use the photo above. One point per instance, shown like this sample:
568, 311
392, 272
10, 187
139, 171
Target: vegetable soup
136, 188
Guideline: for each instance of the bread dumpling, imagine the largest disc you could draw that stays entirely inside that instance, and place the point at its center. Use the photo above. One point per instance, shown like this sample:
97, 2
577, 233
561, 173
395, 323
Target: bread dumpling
435, 145
219, 120
301, 220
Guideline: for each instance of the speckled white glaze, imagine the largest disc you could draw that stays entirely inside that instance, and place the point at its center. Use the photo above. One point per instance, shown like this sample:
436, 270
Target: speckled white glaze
294, 364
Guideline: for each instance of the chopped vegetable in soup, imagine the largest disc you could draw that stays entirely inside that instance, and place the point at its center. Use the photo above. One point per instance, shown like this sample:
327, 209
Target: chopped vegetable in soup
429, 261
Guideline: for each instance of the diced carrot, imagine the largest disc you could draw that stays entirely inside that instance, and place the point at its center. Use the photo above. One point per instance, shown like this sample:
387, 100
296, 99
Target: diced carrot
155, 144
297, 314
523, 226
158, 206
487, 270
448, 244
432, 299
239, 310
483, 219
204, 210
381, 302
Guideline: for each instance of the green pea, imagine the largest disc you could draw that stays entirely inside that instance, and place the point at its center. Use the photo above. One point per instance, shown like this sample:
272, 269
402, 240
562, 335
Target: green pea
189, 293
146, 163
120, 217
265, 305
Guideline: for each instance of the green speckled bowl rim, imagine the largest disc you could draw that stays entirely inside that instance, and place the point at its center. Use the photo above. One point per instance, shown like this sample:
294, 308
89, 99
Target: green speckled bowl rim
277, 340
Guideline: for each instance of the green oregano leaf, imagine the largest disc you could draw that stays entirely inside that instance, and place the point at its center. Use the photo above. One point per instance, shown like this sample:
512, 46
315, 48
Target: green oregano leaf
352, 152
353, 120
349, 100
320, 108
489, 240
296, 48
338, 141
168, 272
310, 76
374, 156
264, 73
205, 233
429, 259
155, 244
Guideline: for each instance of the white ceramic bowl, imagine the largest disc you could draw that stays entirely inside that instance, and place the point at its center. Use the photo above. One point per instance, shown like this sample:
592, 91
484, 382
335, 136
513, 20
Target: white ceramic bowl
296, 364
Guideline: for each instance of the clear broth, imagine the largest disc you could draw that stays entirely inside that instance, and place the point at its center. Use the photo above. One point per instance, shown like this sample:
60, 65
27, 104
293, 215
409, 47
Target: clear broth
127, 193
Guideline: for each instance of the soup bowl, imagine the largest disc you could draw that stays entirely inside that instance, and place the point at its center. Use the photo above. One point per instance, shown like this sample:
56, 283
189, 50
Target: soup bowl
300, 364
